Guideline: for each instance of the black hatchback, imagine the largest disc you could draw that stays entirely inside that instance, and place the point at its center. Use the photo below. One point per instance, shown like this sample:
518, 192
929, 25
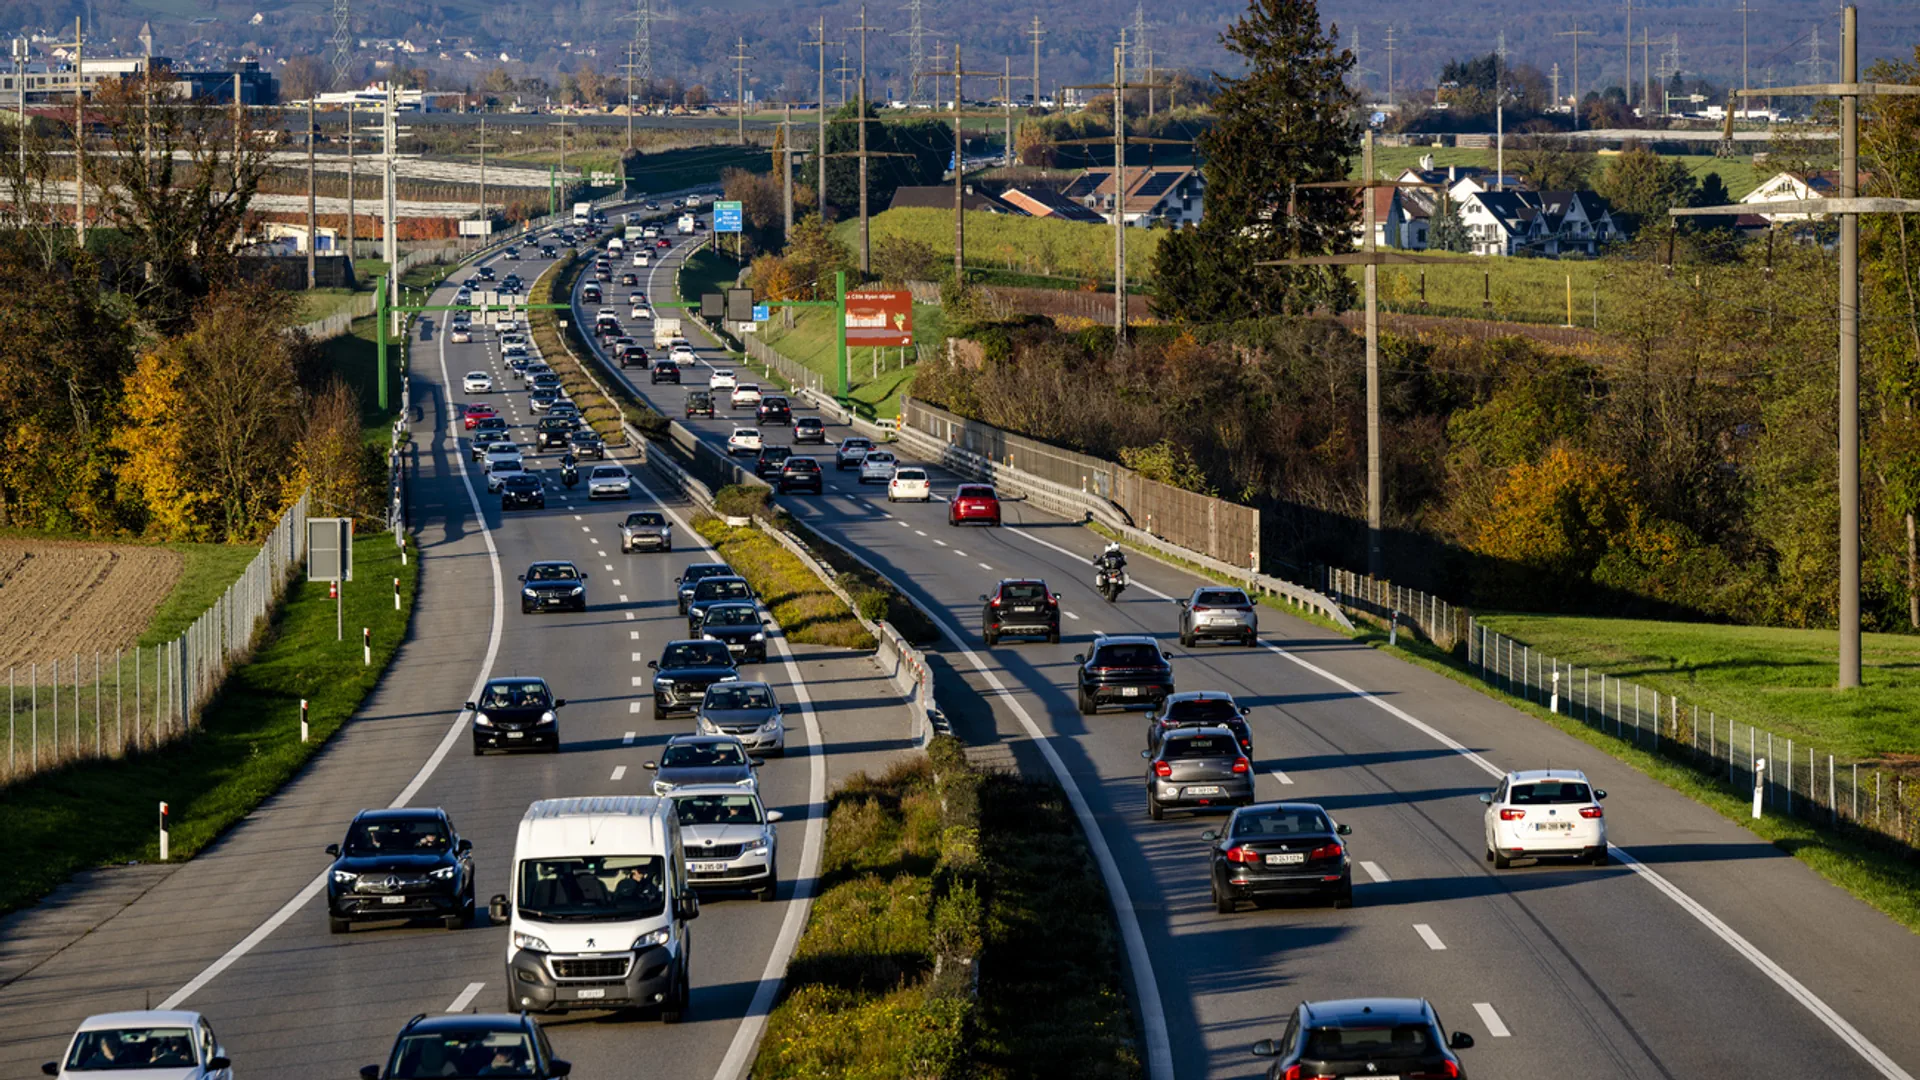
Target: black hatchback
1365, 1037
470, 1044
1279, 849
514, 713
771, 460
800, 473
774, 410
696, 573
400, 864
668, 371
1123, 670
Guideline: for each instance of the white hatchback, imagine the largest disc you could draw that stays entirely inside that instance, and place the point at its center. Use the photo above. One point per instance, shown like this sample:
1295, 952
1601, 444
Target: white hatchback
639, 311
685, 357
744, 440
1545, 813
175, 1044
477, 382
877, 467
722, 379
609, 482
909, 482
746, 396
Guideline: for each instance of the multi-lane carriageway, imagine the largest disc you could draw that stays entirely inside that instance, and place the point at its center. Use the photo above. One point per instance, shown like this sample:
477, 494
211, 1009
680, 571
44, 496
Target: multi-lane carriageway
1699, 952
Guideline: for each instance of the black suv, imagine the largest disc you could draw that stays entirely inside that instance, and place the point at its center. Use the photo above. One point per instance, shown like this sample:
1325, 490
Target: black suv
711, 591
810, 429
774, 410
514, 712
683, 673
522, 492
1123, 670
665, 370
694, 574
1199, 708
1364, 1037
771, 460
470, 1044
587, 443
553, 586
1279, 849
400, 864
634, 356
1020, 606
554, 431
801, 472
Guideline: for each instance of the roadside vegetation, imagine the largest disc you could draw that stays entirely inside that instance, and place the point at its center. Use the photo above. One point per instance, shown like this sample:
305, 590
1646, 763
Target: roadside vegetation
808, 611
954, 935
555, 285
245, 746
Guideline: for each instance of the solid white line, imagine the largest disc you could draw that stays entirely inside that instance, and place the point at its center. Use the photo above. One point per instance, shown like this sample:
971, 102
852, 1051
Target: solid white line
1373, 870
1492, 1019
1808, 1000
1280, 776
618, 772
1427, 935
466, 997
278, 918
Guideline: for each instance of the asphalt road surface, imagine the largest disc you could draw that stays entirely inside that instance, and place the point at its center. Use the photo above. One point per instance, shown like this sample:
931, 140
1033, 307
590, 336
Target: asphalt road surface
1698, 952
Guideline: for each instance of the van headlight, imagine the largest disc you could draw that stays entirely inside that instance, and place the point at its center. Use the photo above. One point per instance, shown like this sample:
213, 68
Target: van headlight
529, 941
652, 939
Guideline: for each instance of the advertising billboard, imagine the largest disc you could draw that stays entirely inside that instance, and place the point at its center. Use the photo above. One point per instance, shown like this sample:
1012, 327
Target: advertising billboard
879, 318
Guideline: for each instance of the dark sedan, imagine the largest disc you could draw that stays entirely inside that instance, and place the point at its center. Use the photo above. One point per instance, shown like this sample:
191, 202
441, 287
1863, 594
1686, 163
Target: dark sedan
683, 673
553, 586
1127, 670
1199, 708
400, 864
737, 625
514, 713
587, 443
1197, 769
1376, 1037
522, 491
1279, 849
714, 590
694, 574
668, 371
801, 474
698, 760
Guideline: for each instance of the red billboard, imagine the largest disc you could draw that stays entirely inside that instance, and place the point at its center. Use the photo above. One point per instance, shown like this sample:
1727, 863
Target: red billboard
879, 318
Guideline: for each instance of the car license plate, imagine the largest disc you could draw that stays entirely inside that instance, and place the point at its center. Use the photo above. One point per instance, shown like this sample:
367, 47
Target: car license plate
1209, 790
590, 994
708, 868
1553, 826
393, 899
516, 734
1286, 858
1130, 691
1023, 609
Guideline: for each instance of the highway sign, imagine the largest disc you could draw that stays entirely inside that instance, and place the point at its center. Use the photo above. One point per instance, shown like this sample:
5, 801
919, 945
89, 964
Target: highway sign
726, 217
762, 312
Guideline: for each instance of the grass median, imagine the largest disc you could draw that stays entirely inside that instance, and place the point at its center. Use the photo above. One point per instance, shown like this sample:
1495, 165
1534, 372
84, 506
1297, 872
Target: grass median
808, 611
601, 413
246, 745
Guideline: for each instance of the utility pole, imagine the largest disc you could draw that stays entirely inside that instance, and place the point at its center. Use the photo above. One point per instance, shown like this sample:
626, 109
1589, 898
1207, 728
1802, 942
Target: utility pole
353, 136
79, 140
390, 228
629, 67
866, 253
820, 41
563, 125
1627, 85
740, 59
1006, 106
1576, 34
843, 71
342, 42
1848, 206
959, 162
916, 34
786, 173
1646, 71
1745, 8
643, 18
1556, 83
1815, 66
1036, 34
1389, 68
483, 147
21, 52
313, 225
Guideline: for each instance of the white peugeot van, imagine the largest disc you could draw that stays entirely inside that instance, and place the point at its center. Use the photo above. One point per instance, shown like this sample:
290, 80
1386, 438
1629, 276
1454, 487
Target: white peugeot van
600, 908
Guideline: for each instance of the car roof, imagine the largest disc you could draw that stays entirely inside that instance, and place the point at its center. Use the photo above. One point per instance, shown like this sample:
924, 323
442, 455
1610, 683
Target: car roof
401, 813
467, 1022
743, 682
1124, 639
1526, 776
703, 740
140, 1018
1284, 807
1023, 581
707, 565
811, 420
515, 679
1198, 695
728, 576
1199, 732
1367, 1010
568, 563
713, 789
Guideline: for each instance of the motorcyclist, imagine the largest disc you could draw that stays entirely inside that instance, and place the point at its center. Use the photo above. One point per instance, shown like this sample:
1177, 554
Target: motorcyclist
569, 470
1112, 560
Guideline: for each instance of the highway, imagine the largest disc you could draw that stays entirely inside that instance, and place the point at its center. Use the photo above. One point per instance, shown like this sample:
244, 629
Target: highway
1698, 952
240, 933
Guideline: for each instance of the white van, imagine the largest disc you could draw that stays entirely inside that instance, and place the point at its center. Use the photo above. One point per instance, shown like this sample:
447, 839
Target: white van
600, 908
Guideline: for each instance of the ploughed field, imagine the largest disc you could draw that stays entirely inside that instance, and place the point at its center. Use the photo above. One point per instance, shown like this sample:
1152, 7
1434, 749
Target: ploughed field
59, 598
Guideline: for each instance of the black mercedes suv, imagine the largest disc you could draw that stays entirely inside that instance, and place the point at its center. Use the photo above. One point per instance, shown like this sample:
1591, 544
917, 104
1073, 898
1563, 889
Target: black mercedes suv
739, 627
553, 586
400, 864
1123, 670
515, 712
1020, 606
470, 1044
683, 673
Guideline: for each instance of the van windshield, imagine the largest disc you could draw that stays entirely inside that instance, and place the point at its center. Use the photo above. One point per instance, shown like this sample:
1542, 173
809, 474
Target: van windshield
596, 887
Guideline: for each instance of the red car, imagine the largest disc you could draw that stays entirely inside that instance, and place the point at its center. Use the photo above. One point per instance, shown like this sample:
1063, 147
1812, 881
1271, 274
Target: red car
477, 413
663, 243
974, 502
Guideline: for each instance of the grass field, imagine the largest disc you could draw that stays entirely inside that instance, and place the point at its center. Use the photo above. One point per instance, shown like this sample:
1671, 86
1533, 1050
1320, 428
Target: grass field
246, 747
1510, 290
1072, 250
1739, 173
1781, 680
876, 381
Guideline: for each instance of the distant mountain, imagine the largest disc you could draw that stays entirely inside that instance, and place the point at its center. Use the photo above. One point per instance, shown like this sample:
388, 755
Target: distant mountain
693, 41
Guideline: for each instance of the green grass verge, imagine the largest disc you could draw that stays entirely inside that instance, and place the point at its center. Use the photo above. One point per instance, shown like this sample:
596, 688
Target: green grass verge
355, 357
317, 304
807, 610
1776, 679
246, 747
706, 271
1070, 250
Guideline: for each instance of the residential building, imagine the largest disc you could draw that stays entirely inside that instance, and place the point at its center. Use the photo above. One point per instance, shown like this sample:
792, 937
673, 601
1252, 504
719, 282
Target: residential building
1171, 195
1788, 186
1460, 181
1497, 222
1550, 223
1048, 203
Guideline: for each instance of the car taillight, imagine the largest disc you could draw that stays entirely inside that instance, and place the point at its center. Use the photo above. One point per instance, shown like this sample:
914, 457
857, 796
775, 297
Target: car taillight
1512, 815
1201, 607
1052, 600
1591, 812
1242, 855
1242, 765
1294, 1073
1161, 768
1327, 851
996, 601
1448, 1071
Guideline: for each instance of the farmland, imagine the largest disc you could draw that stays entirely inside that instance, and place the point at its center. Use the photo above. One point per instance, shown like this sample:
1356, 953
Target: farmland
59, 598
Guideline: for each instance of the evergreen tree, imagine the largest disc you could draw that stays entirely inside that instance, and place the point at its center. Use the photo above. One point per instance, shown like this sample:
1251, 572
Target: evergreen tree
926, 144
1447, 233
1289, 120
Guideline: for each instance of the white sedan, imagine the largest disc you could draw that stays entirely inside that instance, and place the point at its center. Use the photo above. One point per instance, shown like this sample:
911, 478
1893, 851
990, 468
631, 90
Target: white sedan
746, 396
877, 466
1545, 813
909, 483
744, 440
722, 379
477, 382
461, 334
497, 473
610, 482
175, 1044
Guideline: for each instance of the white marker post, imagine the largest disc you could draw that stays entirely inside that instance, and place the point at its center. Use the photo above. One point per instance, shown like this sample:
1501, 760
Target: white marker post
366, 646
303, 719
396, 594
1393, 628
163, 832
1553, 703
1759, 784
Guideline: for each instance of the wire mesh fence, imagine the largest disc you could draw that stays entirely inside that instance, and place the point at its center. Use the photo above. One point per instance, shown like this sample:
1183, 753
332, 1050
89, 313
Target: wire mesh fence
113, 703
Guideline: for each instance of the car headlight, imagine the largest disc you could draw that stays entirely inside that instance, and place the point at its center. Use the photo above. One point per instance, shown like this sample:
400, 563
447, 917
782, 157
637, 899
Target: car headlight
445, 873
345, 877
663, 683
758, 847
771, 724
547, 717
651, 939
482, 719
661, 787
529, 941
579, 590
708, 637
728, 678
762, 636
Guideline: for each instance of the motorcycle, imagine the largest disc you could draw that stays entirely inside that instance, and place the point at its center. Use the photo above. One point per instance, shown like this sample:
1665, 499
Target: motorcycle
1110, 582
569, 474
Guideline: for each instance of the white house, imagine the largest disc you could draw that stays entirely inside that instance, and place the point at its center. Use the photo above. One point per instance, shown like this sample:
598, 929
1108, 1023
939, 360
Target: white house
1170, 195
1497, 222
1789, 186
1567, 222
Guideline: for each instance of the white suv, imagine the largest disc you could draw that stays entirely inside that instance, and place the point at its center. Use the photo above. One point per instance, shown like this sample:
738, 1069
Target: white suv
746, 396
744, 440
722, 379
1545, 813
877, 467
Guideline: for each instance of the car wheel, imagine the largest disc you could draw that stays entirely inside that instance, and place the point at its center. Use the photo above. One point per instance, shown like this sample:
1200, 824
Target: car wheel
1489, 855
453, 922
1053, 636
1599, 858
1153, 808
337, 926
675, 1010
771, 890
477, 748
1500, 861
1186, 640
1222, 902
658, 712
992, 639
1253, 638
525, 609
1086, 704
1344, 898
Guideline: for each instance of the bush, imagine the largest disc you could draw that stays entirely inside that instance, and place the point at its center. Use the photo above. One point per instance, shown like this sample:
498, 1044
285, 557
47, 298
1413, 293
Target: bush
745, 500
808, 611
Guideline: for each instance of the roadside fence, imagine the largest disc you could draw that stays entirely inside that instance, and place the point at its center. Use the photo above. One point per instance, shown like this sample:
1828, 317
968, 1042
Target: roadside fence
112, 704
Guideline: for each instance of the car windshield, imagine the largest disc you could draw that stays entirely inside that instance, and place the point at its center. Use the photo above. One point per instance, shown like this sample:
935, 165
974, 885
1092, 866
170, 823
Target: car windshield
1550, 793
609, 472
738, 697
808, 422
856, 444
731, 615
1201, 746
702, 755
910, 474
132, 1048
695, 654
718, 809
879, 457
1221, 598
388, 836
802, 464
1367, 1043
1280, 823
462, 1053
510, 465
514, 695
1140, 655
553, 572
776, 453
646, 518
523, 482
593, 887
722, 589
1202, 711
1023, 592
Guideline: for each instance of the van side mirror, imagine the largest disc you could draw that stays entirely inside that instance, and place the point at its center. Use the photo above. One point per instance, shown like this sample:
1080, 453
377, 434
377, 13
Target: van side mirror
1266, 1048
687, 907
333, 850
1460, 1041
498, 910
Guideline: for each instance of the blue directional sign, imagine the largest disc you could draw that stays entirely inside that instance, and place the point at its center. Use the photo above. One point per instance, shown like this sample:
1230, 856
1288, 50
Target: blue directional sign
762, 312
726, 217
